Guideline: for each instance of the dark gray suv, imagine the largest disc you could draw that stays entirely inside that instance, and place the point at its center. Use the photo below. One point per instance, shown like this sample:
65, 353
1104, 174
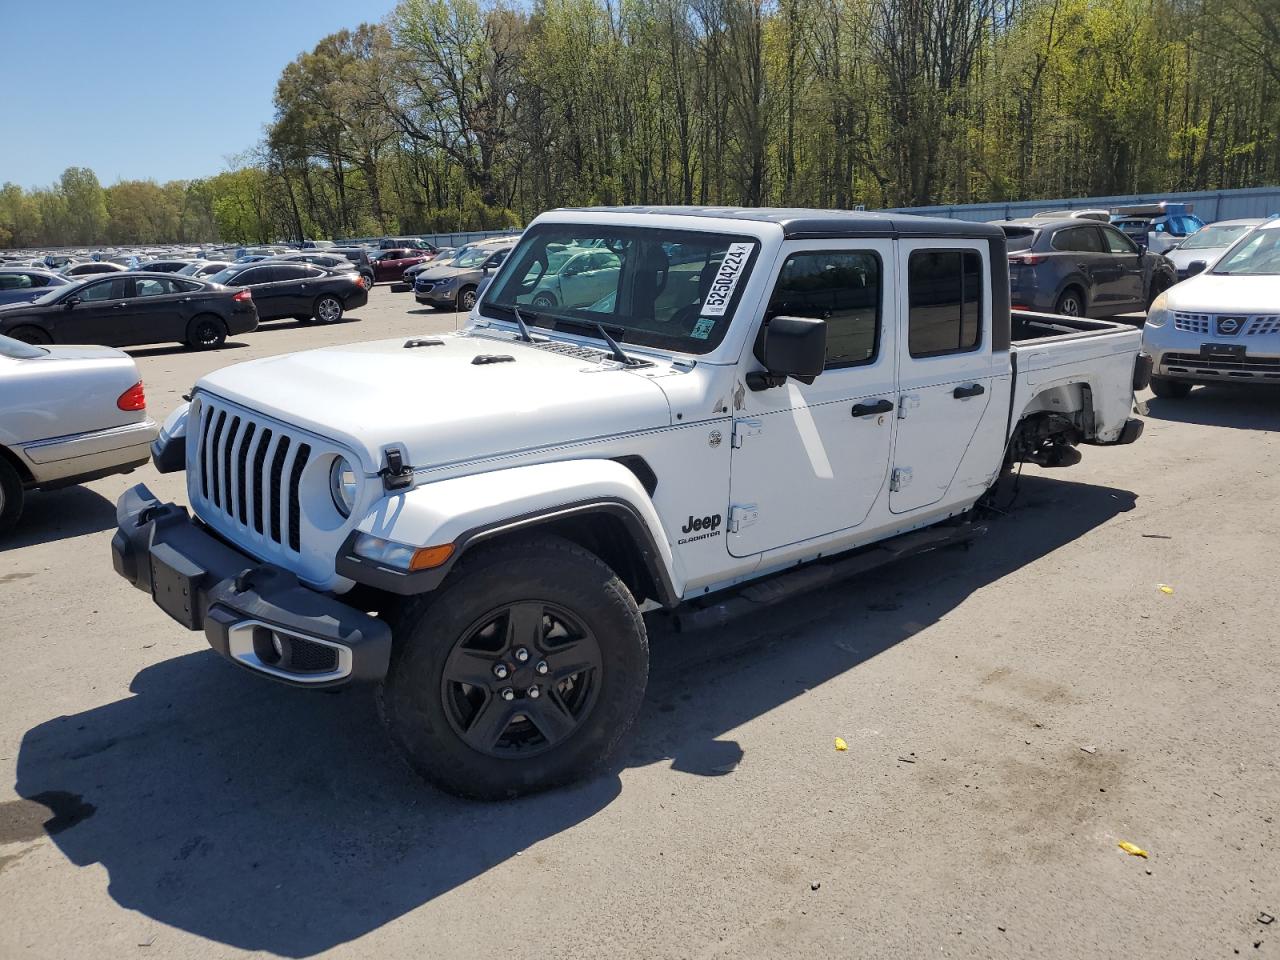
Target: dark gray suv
1081, 268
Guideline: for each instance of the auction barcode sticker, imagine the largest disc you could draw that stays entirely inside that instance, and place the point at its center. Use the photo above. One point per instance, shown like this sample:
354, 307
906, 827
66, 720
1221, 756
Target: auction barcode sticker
726, 281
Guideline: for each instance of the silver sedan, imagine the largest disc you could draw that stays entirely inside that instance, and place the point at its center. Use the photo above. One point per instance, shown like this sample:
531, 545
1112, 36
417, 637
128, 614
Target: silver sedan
67, 414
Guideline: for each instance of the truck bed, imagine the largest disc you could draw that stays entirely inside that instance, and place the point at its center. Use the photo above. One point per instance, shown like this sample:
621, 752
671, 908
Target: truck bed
1053, 356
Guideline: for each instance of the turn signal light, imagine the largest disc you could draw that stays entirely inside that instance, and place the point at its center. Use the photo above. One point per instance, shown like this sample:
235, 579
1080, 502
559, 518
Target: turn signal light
242, 295
428, 558
133, 399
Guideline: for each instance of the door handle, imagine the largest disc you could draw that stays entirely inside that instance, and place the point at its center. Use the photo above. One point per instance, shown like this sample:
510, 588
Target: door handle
867, 409
119, 306
972, 390
1082, 266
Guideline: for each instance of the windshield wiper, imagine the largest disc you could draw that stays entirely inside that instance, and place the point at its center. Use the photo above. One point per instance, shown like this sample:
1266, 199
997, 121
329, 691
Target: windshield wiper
603, 332
524, 328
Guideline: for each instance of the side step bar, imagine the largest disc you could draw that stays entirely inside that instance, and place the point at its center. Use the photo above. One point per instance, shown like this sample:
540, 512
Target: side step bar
756, 596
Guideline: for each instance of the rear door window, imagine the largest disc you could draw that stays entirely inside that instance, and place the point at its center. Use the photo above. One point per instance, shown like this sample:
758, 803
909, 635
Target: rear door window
944, 289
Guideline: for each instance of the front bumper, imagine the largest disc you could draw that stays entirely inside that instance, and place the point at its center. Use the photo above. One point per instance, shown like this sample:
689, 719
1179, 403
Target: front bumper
1197, 357
254, 614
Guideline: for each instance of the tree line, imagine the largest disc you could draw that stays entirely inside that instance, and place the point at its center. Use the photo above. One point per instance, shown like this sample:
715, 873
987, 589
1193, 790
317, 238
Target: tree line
473, 114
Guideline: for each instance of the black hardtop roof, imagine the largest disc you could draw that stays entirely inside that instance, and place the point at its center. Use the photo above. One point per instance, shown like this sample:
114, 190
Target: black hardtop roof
801, 224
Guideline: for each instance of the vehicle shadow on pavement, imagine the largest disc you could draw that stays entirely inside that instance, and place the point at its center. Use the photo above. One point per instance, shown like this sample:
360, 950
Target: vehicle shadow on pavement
60, 515
1225, 405
269, 818
140, 352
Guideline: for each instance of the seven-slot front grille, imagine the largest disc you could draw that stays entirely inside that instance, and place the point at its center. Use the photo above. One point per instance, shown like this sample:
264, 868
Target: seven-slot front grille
250, 472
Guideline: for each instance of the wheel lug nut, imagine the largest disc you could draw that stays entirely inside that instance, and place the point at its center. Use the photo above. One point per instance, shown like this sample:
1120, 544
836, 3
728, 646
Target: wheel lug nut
522, 654
508, 693
501, 671
541, 667
534, 693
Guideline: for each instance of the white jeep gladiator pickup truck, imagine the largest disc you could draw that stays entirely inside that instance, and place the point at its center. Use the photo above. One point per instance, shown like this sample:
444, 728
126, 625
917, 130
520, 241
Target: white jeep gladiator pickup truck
478, 520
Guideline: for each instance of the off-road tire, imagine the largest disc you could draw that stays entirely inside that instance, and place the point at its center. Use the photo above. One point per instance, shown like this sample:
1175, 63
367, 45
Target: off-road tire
206, 332
1167, 389
427, 629
11, 496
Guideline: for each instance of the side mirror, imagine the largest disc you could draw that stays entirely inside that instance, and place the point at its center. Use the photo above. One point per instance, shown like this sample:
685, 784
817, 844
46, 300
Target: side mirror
71, 302
1195, 266
485, 268
789, 347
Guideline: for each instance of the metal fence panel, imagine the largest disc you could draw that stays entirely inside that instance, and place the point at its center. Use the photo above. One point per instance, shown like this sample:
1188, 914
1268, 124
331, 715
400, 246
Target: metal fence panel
1209, 205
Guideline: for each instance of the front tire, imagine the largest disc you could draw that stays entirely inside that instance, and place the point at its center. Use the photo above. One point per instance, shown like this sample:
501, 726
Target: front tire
11, 496
522, 672
544, 300
1167, 389
466, 299
32, 335
328, 309
206, 332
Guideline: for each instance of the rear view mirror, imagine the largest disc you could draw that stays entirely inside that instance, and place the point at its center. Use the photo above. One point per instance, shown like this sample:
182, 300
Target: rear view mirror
789, 347
1195, 266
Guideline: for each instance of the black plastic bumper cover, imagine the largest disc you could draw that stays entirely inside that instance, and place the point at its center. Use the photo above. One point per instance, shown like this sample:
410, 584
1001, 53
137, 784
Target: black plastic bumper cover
207, 585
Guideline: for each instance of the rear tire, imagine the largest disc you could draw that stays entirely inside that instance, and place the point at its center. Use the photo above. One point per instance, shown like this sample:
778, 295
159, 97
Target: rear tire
33, 335
1071, 303
206, 332
11, 496
1167, 389
328, 309
588, 657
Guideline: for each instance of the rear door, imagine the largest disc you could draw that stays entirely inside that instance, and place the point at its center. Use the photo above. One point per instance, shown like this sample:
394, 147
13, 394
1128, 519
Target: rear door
295, 286
268, 296
944, 366
810, 460
161, 309
1081, 248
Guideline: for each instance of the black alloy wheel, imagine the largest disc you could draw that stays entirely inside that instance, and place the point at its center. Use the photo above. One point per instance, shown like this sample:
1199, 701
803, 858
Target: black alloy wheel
521, 680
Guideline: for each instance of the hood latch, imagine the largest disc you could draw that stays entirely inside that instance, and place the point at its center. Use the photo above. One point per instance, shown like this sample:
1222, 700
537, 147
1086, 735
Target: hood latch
396, 475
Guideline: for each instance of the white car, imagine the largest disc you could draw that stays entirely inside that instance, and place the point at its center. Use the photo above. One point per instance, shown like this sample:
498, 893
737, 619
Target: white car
1194, 253
1221, 325
67, 415
795, 394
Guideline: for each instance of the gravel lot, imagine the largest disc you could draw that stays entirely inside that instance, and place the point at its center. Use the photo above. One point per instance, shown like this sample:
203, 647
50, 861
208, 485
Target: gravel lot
1011, 713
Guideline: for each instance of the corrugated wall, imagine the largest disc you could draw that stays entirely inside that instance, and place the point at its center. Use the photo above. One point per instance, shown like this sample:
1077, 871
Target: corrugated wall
1209, 205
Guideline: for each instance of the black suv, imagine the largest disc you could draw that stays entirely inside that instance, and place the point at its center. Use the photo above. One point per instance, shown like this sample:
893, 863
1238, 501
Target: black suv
302, 291
1081, 268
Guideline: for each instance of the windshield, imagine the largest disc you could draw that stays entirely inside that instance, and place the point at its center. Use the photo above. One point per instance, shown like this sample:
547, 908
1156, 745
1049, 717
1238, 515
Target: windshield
1215, 236
660, 288
17, 350
472, 257
1256, 255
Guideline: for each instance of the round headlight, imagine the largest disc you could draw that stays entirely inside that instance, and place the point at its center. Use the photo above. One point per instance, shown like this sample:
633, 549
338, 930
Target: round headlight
343, 483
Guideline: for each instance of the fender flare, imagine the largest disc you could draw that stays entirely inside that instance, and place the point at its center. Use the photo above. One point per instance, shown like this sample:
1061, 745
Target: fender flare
469, 510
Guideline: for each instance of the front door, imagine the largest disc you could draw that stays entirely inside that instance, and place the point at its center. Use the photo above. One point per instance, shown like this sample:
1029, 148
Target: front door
811, 459
1129, 283
944, 367
104, 314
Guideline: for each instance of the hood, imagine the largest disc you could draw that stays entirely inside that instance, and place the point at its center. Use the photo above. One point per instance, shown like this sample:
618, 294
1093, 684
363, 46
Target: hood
1184, 258
443, 271
1211, 293
440, 405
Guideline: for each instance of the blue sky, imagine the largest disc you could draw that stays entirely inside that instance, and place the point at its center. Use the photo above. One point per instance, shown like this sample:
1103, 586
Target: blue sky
138, 89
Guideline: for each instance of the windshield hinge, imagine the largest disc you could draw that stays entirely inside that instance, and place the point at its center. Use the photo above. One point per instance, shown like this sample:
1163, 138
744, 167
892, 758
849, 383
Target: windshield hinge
397, 474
